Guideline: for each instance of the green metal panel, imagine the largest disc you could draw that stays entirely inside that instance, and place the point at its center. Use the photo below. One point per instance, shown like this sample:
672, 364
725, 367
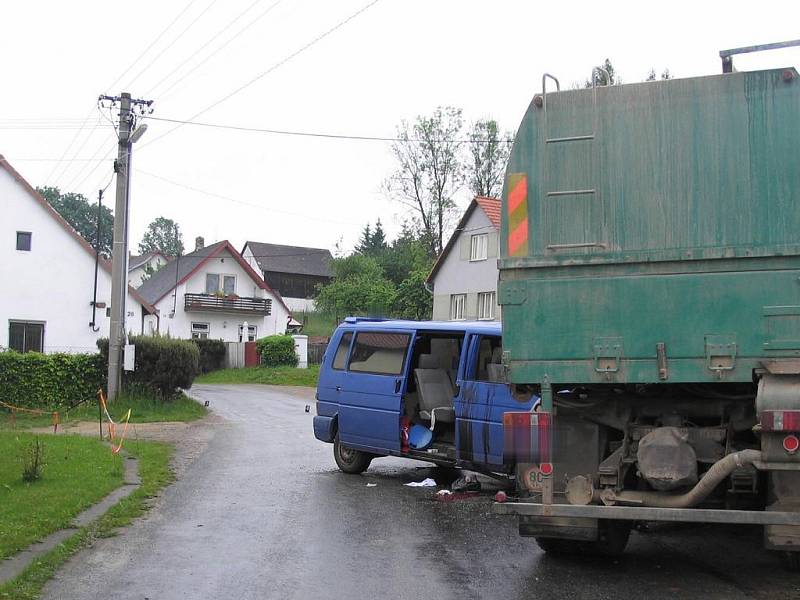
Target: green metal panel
662, 212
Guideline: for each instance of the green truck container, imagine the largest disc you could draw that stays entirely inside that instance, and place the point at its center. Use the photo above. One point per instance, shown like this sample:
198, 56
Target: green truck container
650, 286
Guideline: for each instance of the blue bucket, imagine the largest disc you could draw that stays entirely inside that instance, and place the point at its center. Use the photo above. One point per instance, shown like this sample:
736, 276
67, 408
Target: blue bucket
419, 437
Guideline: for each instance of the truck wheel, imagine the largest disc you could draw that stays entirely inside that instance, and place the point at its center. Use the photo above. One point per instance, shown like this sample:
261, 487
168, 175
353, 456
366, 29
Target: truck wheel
792, 561
349, 460
558, 546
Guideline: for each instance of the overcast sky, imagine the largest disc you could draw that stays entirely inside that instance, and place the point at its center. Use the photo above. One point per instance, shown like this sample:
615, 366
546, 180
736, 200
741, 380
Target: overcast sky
393, 61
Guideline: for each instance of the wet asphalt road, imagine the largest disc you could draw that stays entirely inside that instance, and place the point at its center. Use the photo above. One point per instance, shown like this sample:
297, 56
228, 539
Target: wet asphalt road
262, 512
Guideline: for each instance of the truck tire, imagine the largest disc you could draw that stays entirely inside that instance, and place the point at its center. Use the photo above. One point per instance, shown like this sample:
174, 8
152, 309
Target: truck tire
612, 542
349, 460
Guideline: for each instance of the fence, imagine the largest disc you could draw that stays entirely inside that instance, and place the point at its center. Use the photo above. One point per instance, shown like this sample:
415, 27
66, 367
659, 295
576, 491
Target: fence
315, 353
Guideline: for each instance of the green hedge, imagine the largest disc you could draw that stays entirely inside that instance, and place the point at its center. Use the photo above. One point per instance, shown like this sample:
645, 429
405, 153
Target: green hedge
162, 363
212, 354
276, 350
50, 381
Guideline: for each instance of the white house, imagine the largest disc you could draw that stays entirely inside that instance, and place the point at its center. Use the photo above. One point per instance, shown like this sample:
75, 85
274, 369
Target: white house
212, 293
48, 301
139, 265
464, 277
294, 272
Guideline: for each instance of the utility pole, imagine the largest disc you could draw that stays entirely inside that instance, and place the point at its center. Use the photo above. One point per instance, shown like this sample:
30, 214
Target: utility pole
119, 265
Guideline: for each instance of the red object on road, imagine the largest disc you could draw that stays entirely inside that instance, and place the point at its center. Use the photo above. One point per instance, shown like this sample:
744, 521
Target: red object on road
251, 358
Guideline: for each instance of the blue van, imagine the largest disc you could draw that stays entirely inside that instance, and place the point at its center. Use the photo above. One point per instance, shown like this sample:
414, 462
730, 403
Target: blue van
434, 391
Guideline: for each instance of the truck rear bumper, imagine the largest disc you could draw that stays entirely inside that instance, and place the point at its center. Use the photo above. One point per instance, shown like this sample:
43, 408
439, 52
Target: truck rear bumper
641, 513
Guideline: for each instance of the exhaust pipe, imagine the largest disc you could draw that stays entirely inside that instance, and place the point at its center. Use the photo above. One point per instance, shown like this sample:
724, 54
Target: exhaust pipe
710, 480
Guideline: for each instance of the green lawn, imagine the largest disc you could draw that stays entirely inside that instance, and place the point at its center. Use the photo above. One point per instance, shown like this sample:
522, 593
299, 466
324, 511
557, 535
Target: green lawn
78, 472
154, 469
144, 409
269, 375
317, 324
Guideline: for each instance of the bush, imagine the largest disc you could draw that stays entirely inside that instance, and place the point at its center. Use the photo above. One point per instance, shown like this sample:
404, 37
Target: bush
50, 381
163, 364
212, 354
276, 350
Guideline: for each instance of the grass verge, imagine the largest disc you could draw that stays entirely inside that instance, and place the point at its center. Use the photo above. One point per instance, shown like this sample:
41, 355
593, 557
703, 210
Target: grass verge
268, 375
78, 472
144, 409
155, 472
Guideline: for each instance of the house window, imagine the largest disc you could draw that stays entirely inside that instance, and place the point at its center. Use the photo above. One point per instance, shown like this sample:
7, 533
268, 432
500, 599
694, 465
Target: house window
220, 283
479, 246
457, 302
26, 337
486, 305
200, 331
24, 240
252, 332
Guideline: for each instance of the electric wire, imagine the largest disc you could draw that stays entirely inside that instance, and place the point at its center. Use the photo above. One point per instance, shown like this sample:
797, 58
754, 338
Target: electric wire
275, 66
243, 202
162, 94
172, 43
64, 166
335, 136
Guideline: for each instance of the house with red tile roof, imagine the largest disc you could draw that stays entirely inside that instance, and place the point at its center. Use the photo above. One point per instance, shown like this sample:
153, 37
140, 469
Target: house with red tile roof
464, 277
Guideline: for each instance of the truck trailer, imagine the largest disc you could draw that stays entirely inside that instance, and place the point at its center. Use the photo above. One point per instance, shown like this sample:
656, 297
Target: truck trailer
650, 287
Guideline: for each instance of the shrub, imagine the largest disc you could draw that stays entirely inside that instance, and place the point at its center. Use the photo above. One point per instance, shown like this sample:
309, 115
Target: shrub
49, 381
162, 363
33, 463
212, 354
277, 350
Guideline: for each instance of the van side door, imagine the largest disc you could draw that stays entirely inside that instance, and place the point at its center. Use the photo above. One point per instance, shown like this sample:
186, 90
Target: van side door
371, 399
483, 398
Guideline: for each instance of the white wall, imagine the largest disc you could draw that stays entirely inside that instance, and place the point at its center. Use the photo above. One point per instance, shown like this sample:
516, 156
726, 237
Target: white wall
458, 275
52, 283
135, 275
224, 326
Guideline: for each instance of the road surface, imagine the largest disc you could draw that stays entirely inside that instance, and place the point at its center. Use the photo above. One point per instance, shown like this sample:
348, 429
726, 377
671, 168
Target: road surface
262, 512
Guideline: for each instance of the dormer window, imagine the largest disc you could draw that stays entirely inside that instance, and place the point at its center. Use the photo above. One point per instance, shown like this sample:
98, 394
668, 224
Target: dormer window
24, 241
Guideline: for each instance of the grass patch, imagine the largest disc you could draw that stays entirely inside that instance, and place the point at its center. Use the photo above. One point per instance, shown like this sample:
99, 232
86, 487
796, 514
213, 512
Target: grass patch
77, 472
154, 469
317, 324
144, 409
268, 375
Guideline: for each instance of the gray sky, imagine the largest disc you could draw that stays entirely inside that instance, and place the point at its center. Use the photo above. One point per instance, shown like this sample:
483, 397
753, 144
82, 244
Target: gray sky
397, 59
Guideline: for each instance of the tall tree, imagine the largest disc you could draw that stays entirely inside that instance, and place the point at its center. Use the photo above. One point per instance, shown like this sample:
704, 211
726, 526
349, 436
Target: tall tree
429, 172
372, 242
600, 77
77, 211
163, 235
488, 155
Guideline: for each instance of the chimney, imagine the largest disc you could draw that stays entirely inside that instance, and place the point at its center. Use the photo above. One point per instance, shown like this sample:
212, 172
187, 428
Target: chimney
199, 242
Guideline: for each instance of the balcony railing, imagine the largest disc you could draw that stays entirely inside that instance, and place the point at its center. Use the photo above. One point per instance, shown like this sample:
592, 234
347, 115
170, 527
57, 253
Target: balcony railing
210, 303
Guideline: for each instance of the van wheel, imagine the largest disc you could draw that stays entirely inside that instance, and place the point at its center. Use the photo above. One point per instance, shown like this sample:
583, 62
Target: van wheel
349, 460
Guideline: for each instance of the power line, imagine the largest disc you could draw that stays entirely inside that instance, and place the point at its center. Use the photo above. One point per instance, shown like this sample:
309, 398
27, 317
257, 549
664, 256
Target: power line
275, 66
335, 136
171, 86
237, 201
172, 43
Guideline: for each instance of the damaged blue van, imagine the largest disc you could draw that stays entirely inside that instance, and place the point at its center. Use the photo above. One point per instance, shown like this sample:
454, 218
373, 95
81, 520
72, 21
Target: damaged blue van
427, 390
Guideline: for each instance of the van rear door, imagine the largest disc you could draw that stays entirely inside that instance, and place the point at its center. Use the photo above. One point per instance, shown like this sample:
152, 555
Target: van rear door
372, 392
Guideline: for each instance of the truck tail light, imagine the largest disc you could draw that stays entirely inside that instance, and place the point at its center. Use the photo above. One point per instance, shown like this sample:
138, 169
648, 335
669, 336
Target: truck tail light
526, 437
791, 444
780, 420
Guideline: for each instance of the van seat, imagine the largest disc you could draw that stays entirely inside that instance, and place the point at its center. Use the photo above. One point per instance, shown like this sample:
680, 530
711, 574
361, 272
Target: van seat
435, 392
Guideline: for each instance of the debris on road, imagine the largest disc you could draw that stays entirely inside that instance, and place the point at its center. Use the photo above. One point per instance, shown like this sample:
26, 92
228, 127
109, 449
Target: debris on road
372, 485
468, 483
424, 483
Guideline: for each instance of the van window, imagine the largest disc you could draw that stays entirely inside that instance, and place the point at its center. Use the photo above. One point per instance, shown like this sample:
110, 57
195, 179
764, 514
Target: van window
489, 366
340, 359
381, 353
